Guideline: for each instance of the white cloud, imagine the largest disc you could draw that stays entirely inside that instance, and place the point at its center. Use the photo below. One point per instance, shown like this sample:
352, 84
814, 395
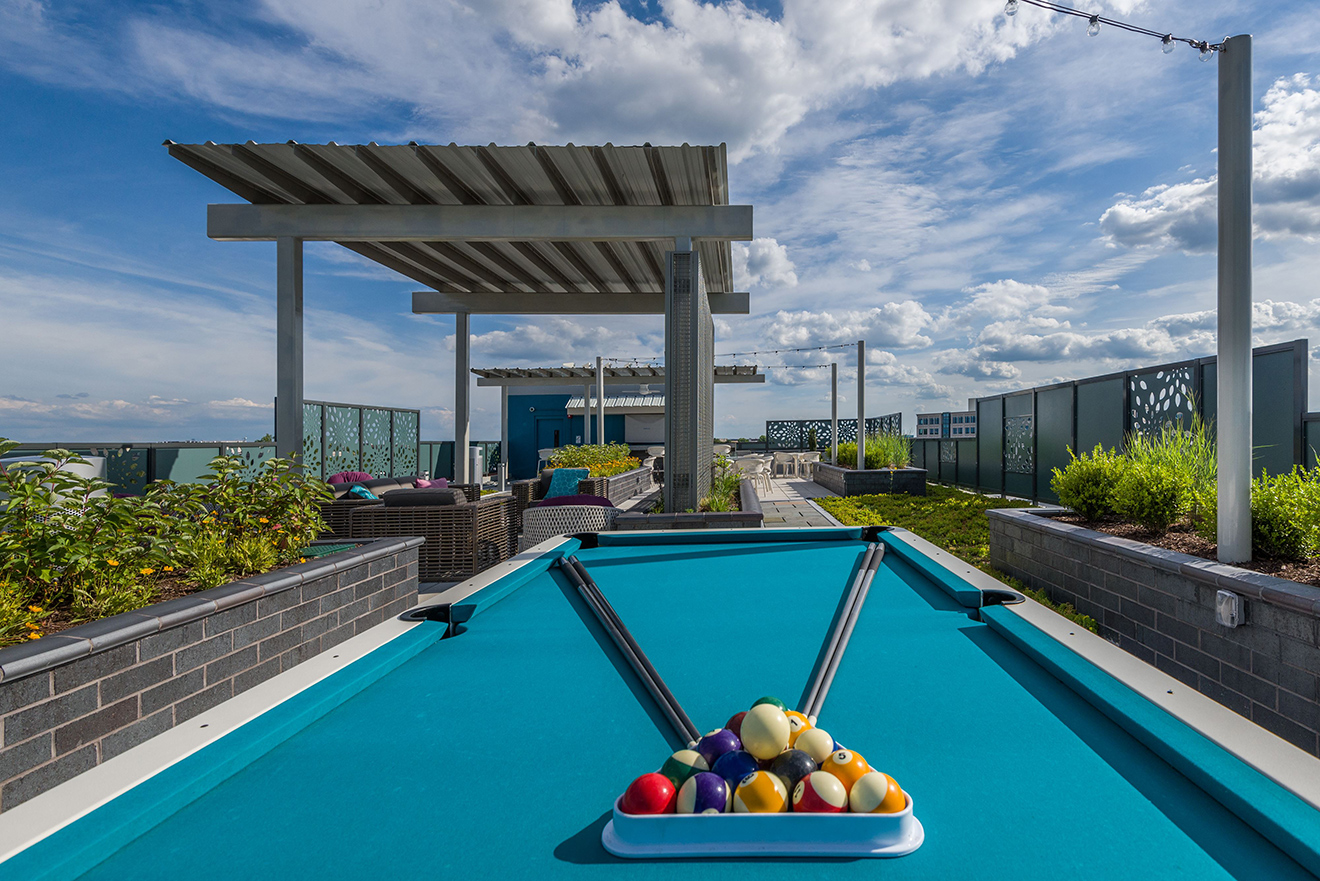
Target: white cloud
893, 325
1286, 172
763, 263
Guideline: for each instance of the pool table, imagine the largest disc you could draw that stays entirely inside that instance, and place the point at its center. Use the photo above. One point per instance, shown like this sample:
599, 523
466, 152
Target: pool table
1031, 748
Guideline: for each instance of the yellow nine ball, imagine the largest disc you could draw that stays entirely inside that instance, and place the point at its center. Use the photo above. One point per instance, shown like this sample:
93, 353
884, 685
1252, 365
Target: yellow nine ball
760, 793
876, 793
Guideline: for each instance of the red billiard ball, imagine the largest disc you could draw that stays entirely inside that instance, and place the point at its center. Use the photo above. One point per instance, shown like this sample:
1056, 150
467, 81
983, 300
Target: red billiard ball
650, 794
735, 723
820, 792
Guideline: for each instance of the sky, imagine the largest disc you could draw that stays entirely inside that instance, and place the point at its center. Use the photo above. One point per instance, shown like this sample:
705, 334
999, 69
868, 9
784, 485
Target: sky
991, 202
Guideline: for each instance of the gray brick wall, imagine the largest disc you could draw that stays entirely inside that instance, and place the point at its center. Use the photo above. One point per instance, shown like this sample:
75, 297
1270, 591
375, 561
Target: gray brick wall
58, 721
1160, 606
850, 482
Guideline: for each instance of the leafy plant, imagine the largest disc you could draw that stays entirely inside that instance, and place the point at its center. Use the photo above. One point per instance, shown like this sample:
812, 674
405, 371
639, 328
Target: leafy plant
882, 451
1285, 514
1148, 495
587, 455
811, 439
1087, 483
1186, 455
724, 487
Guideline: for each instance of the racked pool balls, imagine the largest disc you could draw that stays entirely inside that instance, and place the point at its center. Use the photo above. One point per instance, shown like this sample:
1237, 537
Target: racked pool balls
815, 742
649, 794
819, 793
716, 743
735, 723
791, 766
876, 793
705, 793
682, 765
797, 723
736, 765
760, 793
765, 731
772, 701
847, 765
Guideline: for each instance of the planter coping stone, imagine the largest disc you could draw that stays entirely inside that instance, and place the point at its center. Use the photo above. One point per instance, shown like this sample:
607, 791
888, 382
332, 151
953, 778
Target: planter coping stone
43, 654
1255, 585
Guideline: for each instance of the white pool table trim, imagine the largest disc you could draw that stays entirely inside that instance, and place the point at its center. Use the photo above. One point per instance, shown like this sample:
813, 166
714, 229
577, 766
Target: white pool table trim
35, 819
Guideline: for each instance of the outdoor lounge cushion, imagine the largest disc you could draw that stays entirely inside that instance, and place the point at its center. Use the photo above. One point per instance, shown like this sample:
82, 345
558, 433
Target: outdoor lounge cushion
348, 477
424, 498
564, 481
362, 493
382, 485
599, 501
438, 483
547, 474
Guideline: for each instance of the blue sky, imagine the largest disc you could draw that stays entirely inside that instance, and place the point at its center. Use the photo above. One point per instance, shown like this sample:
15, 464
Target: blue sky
991, 203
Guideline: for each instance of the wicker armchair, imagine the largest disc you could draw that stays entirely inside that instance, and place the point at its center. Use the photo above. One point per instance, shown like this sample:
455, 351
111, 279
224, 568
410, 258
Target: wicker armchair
617, 489
337, 513
461, 540
540, 524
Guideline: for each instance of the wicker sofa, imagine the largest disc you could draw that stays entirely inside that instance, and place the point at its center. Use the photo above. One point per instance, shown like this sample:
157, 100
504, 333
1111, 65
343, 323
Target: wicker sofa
336, 513
617, 489
462, 539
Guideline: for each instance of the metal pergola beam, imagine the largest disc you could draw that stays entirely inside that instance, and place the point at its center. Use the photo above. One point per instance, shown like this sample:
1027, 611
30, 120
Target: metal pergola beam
518, 303
478, 223
515, 381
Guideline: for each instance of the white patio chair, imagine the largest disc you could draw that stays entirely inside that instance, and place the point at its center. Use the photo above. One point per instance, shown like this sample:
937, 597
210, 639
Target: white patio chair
806, 461
723, 449
784, 461
655, 452
543, 458
756, 469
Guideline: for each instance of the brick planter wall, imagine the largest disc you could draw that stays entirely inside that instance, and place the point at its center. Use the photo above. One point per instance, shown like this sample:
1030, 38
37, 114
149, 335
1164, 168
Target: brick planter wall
850, 482
750, 517
1160, 606
75, 699
621, 487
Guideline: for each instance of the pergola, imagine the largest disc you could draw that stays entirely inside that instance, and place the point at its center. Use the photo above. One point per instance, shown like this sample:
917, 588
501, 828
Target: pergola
504, 230
600, 376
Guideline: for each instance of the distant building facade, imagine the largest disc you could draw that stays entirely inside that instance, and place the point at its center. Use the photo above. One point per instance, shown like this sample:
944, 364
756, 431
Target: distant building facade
951, 425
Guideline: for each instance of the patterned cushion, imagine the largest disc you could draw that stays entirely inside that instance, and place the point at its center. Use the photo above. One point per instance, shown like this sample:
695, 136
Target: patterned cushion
362, 493
598, 501
565, 481
348, 477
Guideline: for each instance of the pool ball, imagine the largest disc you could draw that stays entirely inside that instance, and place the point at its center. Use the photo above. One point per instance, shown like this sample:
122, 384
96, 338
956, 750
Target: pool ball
876, 793
760, 793
815, 742
649, 794
734, 766
797, 723
716, 743
682, 765
847, 765
765, 731
705, 793
735, 723
791, 766
819, 793
772, 701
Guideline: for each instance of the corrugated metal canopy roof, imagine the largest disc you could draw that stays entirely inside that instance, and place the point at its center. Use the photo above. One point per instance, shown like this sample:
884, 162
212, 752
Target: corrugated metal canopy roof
619, 403
421, 174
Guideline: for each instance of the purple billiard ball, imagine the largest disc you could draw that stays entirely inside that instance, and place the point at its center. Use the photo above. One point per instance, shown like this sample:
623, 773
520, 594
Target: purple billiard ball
704, 793
735, 766
716, 743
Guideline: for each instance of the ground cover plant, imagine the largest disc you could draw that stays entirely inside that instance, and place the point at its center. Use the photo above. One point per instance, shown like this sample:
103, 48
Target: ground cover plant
71, 551
603, 460
949, 518
882, 451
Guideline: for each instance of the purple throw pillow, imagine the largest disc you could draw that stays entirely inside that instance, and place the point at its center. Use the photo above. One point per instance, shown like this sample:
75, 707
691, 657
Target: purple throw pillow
349, 477
438, 483
598, 501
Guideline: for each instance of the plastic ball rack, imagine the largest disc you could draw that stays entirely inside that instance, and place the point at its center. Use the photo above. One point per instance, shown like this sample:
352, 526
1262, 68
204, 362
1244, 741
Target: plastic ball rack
659, 836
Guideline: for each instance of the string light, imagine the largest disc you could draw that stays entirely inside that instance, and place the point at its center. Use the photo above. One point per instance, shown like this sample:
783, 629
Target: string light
1093, 22
635, 362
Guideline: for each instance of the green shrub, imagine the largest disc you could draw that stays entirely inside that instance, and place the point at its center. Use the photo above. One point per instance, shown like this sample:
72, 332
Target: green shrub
882, 451
586, 455
1087, 484
1186, 455
724, 487
20, 616
1147, 495
1285, 514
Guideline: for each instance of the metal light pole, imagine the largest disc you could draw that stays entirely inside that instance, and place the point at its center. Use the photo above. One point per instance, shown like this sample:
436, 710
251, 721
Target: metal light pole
834, 412
1233, 393
600, 400
861, 404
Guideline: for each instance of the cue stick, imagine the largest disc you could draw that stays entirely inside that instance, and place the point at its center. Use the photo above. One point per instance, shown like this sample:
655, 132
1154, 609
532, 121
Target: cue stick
622, 645
871, 569
832, 639
692, 733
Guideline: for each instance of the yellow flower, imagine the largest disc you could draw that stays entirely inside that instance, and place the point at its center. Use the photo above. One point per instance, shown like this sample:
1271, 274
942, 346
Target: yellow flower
169, 569
146, 571
262, 520
34, 635
31, 626
36, 610
302, 559
112, 562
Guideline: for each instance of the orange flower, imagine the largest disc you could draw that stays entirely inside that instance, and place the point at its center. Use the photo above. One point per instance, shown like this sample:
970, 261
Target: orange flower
146, 570
168, 569
34, 635
112, 562
36, 610
262, 520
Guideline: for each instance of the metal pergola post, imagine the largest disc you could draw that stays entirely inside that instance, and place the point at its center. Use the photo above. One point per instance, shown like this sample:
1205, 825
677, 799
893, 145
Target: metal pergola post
1233, 413
600, 401
504, 437
462, 401
834, 412
861, 404
288, 347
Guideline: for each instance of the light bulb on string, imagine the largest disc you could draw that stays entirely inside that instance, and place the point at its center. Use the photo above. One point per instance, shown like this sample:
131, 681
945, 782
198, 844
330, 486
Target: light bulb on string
1093, 28
1011, 7
1168, 44
1206, 51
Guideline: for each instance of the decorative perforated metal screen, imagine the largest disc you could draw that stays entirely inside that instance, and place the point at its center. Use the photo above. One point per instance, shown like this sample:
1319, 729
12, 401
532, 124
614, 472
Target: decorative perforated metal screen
407, 432
795, 434
1019, 451
312, 457
1160, 397
376, 452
